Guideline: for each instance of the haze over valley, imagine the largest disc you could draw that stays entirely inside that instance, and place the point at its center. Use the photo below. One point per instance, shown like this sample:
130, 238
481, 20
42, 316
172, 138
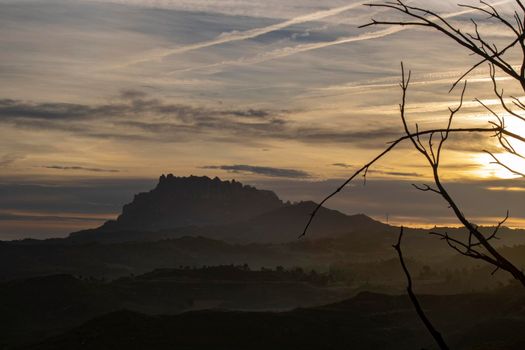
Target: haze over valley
279, 174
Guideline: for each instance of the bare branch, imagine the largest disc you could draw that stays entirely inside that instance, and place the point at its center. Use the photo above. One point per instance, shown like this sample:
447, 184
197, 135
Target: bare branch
391, 146
413, 298
475, 43
425, 188
500, 94
498, 162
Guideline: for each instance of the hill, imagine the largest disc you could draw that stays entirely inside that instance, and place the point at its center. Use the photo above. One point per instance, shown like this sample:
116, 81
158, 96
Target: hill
224, 210
367, 321
39, 307
286, 223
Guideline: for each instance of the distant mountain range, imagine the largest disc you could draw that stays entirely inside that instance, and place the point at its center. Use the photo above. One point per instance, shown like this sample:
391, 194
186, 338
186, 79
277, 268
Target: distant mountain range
226, 210
162, 229
162, 253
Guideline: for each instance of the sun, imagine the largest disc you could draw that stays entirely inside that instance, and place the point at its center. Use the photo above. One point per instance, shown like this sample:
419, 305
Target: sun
511, 165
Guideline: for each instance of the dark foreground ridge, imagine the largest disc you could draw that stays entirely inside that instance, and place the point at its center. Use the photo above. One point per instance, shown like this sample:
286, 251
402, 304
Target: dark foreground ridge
36, 308
367, 321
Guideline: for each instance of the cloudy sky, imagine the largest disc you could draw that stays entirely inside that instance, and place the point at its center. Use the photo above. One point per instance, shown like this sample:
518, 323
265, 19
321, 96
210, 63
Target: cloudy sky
98, 98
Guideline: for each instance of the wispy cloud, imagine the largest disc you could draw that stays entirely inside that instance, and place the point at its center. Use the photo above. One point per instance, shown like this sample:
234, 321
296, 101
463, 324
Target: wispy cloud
243, 35
395, 173
261, 170
8, 159
81, 168
132, 103
443, 78
342, 165
48, 216
292, 50
506, 188
141, 118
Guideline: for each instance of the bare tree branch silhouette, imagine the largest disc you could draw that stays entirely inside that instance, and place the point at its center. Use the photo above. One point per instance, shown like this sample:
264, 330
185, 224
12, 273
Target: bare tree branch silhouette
477, 245
413, 298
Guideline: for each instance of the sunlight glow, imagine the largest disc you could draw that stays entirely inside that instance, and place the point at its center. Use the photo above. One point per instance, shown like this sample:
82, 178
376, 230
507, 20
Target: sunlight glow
508, 161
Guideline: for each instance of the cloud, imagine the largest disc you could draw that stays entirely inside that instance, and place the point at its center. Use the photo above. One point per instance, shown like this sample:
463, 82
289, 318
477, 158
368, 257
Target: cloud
277, 9
40, 216
132, 103
364, 137
342, 165
96, 170
260, 170
506, 188
59, 195
11, 109
472, 142
255, 113
398, 198
292, 50
138, 117
130, 94
442, 78
243, 35
395, 173
8, 159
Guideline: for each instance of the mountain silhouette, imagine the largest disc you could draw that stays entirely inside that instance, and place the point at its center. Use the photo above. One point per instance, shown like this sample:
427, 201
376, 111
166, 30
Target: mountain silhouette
186, 201
284, 224
225, 210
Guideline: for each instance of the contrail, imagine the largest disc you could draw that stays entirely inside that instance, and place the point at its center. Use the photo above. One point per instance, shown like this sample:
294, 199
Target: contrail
248, 34
288, 51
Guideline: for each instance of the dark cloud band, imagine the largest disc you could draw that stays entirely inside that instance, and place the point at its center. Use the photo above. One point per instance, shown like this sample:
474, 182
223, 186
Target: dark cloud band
261, 170
96, 170
137, 117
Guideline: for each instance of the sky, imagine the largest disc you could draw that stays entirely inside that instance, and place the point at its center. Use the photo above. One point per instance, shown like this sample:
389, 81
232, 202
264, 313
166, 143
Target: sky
99, 98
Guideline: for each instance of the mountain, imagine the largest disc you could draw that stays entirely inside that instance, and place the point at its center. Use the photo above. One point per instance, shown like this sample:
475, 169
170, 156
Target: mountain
225, 210
284, 224
236, 213
186, 201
